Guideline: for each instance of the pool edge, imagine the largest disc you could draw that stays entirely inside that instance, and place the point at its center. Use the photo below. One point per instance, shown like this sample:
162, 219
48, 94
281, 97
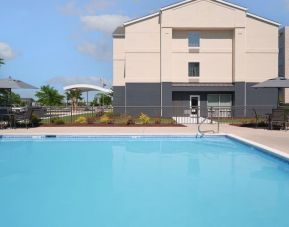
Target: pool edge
269, 150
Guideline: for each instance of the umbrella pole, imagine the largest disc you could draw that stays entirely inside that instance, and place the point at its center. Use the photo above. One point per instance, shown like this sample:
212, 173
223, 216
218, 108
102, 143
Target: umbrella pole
279, 96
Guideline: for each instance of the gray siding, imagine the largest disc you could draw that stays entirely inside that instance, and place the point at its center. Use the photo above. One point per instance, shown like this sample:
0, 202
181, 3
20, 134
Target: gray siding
118, 99
146, 98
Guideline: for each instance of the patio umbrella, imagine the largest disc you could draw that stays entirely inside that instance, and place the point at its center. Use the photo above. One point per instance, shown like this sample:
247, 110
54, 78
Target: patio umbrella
10, 83
278, 82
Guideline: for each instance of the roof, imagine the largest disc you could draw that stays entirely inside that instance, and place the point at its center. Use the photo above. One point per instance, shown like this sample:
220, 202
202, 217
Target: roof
188, 1
119, 32
219, 1
279, 82
87, 87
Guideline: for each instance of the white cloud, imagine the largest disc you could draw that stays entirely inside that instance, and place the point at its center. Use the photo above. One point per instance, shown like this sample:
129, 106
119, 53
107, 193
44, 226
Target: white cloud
6, 51
100, 50
70, 8
95, 5
103, 23
69, 80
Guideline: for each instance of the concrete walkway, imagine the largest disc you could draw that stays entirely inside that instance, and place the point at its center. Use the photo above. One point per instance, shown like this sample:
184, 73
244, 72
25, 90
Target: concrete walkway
275, 139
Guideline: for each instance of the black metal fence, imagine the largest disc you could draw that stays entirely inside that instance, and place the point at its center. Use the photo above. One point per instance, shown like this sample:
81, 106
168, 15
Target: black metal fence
171, 115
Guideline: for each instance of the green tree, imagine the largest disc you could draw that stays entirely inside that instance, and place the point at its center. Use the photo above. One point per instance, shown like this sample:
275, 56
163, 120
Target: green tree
2, 62
95, 102
105, 99
15, 99
74, 96
7, 98
49, 96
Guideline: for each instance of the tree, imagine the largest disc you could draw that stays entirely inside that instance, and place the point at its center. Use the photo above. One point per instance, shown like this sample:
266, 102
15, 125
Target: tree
95, 101
15, 98
74, 96
7, 98
2, 62
49, 96
105, 99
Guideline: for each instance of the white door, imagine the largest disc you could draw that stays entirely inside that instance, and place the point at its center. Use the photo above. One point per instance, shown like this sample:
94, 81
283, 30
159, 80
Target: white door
195, 105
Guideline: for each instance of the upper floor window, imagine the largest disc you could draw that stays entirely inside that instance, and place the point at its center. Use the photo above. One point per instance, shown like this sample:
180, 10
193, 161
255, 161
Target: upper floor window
194, 39
194, 69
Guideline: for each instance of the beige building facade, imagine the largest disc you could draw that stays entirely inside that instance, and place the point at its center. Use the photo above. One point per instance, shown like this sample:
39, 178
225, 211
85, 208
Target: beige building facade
195, 53
284, 57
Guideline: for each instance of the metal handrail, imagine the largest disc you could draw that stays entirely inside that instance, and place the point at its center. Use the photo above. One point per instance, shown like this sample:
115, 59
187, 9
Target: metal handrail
208, 131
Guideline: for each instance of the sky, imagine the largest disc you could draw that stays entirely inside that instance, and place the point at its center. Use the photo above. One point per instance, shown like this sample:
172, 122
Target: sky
58, 42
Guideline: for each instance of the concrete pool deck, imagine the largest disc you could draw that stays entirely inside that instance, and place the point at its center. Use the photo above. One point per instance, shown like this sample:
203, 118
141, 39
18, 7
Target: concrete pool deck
275, 139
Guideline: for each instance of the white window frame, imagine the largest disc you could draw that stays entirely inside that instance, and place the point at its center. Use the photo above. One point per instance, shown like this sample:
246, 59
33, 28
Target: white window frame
199, 104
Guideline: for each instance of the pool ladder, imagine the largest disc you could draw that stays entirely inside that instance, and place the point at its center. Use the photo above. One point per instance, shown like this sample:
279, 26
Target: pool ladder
201, 133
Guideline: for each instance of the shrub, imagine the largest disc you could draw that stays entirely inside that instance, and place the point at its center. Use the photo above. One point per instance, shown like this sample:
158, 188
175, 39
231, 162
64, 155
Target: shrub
127, 120
108, 114
35, 121
105, 120
130, 121
81, 120
158, 121
57, 121
90, 120
144, 119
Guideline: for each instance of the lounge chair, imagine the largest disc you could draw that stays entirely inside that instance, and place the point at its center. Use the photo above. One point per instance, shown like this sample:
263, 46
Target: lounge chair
278, 118
6, 118
24, 118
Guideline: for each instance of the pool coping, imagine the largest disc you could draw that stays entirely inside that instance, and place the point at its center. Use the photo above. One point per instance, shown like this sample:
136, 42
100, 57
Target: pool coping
266, 149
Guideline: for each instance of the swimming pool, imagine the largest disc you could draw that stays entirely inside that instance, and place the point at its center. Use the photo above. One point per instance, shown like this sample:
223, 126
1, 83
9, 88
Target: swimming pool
140, 182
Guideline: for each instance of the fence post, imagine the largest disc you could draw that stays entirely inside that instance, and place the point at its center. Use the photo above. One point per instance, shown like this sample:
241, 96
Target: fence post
71, 115
50, 115
211, 114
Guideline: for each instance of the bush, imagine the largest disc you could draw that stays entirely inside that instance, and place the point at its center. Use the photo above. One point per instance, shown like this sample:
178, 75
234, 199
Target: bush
57, 121
35, 121
130, 121
158, 121
108, 114
81, 120
90, 120
105, 120
144, 119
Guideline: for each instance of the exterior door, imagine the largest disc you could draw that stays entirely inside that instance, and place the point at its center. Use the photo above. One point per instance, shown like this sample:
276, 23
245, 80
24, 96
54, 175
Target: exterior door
195, 105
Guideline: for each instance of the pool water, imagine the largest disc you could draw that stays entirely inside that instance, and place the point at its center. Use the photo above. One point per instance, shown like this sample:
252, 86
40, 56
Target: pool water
140, 182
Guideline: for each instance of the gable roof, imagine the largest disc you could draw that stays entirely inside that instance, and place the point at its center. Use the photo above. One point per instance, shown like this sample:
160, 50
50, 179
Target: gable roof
188, 1
119, 32
218, 1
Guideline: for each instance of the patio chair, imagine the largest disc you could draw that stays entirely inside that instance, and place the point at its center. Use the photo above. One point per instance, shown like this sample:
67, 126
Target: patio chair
6, 118
24, 118
278, 117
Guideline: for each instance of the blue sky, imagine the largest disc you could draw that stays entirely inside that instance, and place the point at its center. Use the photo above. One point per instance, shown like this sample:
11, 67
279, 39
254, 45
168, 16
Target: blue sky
57, 41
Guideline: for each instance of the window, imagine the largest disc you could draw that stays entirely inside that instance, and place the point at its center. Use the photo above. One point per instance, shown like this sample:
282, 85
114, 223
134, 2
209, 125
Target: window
220, 104
194, 69
194, 39
222, 100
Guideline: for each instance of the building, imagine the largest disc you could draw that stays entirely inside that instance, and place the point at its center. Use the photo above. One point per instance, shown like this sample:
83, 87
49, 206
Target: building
284, 56
194, 53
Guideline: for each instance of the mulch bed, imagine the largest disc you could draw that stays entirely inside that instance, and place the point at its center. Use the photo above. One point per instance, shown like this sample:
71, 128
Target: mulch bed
112, 125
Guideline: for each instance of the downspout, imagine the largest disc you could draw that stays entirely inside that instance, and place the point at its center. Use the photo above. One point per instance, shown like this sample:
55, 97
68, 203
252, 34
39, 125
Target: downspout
161, 84
245, 100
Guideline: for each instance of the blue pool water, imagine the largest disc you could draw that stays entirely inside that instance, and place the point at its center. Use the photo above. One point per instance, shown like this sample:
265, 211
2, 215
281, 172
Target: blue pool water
140, 182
